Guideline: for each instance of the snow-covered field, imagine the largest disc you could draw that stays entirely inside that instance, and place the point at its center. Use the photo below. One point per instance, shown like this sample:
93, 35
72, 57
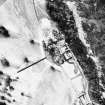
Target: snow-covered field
38, 84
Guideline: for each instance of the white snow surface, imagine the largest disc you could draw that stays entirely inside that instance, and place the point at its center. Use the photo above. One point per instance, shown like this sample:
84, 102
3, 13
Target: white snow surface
39, 83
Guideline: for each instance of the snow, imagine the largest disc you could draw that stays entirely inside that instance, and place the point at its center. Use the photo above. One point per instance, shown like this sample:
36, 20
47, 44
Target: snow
39, 83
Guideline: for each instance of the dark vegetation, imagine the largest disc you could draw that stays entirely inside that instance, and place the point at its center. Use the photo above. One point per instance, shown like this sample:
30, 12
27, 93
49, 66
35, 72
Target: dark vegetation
96, 38
5, 62
61, 15
66, 24
26, 60
96, 28
65, 21
4, 32
54, 52
95, 92
3, 103
32, 41
78, 48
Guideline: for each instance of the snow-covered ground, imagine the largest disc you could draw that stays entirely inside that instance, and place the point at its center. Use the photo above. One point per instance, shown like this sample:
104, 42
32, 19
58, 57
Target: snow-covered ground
39, 83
